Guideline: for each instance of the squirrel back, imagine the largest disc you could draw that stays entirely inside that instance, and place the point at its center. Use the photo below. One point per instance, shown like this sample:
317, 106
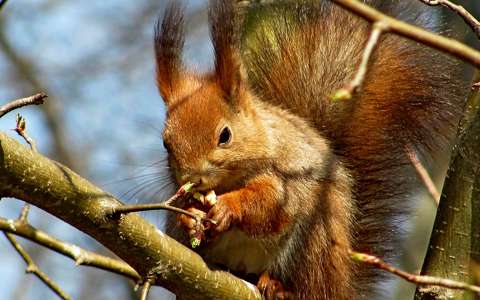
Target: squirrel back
299, 54
299, 176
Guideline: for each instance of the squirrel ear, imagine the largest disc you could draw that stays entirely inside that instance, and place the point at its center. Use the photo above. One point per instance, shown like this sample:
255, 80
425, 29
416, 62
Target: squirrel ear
225, 38
169, 40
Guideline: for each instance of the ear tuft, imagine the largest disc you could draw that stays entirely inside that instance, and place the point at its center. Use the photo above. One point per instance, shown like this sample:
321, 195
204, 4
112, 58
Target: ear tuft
226, 42
169, 40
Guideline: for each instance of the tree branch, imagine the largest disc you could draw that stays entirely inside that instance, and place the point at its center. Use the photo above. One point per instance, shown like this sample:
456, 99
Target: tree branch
56, 189
436, 41
417, 279
157, 206
24, 213
34, 269
145, 290
79, 255
354, 86
459, 10
423, 174
32, 100
21, 130
453, 241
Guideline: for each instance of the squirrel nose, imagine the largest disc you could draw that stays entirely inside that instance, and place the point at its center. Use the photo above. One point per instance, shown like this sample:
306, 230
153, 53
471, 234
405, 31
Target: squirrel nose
195, 179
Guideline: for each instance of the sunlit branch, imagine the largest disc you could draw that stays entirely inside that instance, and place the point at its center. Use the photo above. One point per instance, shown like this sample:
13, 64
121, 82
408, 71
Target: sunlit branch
415, 33
32, 100
354, 86
417, 279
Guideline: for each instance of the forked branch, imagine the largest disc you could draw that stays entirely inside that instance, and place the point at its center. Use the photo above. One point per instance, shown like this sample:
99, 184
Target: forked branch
460, 10
415, 33
34, 269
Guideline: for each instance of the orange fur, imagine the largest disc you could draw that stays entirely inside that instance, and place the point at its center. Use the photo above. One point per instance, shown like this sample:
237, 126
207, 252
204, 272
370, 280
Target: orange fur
257, 207
302, 179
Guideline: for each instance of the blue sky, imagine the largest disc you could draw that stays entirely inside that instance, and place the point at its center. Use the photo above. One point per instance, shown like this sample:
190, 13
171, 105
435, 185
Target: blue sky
96, 59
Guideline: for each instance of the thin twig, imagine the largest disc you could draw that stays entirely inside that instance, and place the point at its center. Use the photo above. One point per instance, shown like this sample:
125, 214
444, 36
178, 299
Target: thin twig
354, 86
32, 100
166, 205
156, 206
34, 269
423, 174
417, 279
145, 289
24, 213
415, 33
476, 86
460, 10
21, 130
79, 255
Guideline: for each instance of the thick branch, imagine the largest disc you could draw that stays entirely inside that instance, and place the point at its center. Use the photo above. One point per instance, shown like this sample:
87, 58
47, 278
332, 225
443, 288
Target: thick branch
56, 189
439, 42
454, 241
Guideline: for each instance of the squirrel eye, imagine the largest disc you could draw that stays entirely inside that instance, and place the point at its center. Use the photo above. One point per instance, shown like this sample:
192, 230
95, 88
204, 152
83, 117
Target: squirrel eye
165, 145
225, 136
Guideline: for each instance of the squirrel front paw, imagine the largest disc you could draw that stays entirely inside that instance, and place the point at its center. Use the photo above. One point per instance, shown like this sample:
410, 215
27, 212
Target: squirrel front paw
218, 214
193, 229
273, 289
225, 213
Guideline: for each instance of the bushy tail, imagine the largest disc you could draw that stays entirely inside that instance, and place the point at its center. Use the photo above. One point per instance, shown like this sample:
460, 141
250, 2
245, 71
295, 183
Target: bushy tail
299, 53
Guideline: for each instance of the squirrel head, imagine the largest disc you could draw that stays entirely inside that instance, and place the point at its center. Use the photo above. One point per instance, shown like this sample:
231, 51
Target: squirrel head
211, 126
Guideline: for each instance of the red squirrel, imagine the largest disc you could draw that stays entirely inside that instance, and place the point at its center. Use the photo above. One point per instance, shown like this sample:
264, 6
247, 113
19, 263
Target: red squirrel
301, 178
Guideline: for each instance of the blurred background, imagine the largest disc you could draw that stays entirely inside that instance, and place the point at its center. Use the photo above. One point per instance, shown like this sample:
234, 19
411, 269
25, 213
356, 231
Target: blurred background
103, 118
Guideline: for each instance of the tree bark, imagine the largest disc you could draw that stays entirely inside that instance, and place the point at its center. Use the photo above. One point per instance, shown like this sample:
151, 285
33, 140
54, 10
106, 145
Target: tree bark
455, 236
56, 189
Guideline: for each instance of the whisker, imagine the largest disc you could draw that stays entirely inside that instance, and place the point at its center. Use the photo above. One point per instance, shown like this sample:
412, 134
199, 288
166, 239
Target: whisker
133, 178
145, 189
142, 186
165, 190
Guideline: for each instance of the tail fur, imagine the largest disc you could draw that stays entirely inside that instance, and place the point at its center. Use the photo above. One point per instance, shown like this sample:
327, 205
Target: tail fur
299, 53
